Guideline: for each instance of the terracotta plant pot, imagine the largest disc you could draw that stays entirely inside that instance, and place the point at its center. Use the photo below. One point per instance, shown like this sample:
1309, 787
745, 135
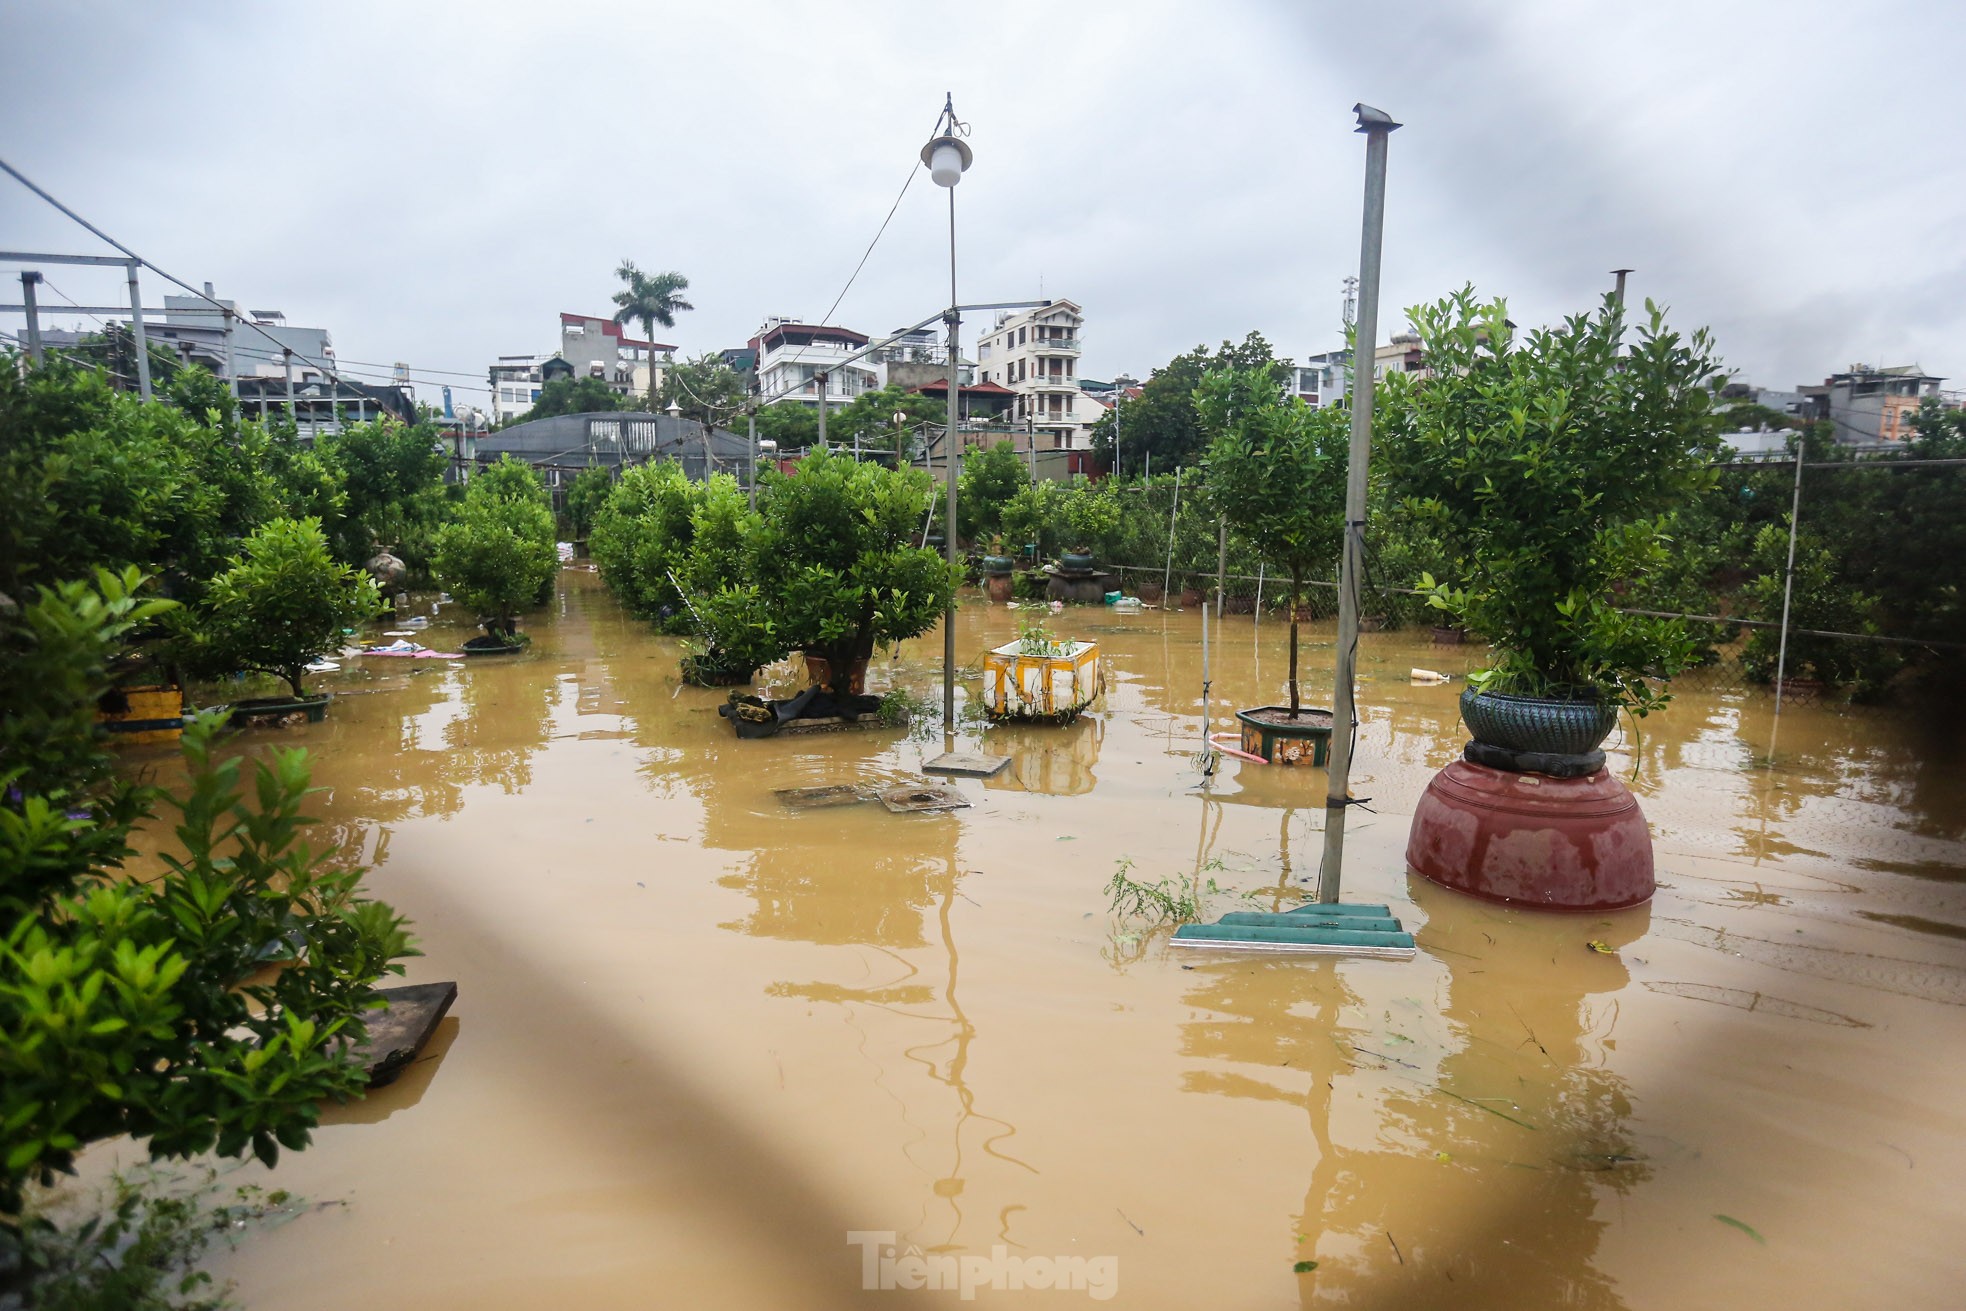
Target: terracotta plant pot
820, 671
999, 587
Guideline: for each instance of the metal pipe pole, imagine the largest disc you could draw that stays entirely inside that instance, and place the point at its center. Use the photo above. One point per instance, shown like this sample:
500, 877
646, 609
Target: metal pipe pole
753, 479
1173, 513
231, 371
1221, 562
1031, 445
28, 279
820, 378
1788, 591
949, 454
137, 336
293, 410
1377, 127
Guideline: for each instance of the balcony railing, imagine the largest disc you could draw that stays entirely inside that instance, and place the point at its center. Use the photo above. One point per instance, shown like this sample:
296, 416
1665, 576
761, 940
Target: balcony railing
1056, 346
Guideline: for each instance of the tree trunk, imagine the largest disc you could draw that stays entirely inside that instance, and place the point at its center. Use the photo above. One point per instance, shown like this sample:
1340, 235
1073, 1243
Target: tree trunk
1296, 596
292, 674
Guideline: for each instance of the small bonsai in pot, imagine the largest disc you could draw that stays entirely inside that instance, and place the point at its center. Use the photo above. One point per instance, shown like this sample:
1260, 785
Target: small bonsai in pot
283, 602
1547, 469
1276, 472
1092, 517
499, 557
835, 565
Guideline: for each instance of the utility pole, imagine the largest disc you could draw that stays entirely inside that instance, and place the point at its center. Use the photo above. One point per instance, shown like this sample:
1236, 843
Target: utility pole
1377, 126
752, 424
137, 335
231, 370
28, 281
820, 378
293, 410
1031, 445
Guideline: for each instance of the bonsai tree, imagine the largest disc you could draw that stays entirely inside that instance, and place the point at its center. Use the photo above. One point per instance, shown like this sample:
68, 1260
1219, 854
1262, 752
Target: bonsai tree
1092, 515
585, 498
1276, 471
642, 534
991, 476
734, 631
1549, 468
284, 600
835, 566
498, 557
1034, 517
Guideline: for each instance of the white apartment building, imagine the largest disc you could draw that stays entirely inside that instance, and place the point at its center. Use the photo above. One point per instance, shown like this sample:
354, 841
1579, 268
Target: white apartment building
598, 348
515, 382
792, 356
1035, 353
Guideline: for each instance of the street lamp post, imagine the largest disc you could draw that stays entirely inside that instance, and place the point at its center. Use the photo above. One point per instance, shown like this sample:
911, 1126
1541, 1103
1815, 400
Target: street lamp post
948, 157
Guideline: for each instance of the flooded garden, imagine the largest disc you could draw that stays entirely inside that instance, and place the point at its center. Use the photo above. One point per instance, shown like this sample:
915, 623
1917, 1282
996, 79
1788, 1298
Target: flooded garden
709, 1049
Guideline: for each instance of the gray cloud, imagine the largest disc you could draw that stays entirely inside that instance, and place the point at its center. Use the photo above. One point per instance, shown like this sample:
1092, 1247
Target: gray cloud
433, 183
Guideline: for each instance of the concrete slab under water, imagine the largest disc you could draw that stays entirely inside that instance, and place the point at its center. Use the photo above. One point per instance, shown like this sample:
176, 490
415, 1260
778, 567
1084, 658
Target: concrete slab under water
700, 1040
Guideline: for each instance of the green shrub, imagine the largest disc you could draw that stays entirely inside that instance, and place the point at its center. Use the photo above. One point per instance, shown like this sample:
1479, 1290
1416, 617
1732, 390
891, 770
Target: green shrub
144, 1007
284, 602
499, 556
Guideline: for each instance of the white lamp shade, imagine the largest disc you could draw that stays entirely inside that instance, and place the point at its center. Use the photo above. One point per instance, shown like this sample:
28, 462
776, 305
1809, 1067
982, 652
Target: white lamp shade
946, 158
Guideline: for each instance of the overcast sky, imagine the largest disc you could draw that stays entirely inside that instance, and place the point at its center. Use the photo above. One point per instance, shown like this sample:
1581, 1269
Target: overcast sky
433, 183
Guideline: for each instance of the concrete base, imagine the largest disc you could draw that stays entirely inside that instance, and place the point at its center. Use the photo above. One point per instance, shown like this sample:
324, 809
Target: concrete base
398, 1031
1533, 840
966, 764
1078, 589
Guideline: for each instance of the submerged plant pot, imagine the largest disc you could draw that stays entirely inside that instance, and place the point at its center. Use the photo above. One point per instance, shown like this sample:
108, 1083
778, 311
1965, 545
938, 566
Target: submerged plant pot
1270, 732
278, 707
494, 644
996, 566
1449, 636
1578, 844
1049, 689
1549, 724
1075, 562
999, 587
699, 671
1190, 597
143, 715
820, 671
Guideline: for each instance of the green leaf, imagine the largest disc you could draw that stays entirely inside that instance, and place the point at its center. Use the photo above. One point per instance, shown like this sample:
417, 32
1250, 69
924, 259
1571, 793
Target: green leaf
1304, 1267
1747, 1229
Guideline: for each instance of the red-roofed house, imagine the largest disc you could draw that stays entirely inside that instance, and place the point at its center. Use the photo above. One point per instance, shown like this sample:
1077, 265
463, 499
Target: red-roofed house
601, 348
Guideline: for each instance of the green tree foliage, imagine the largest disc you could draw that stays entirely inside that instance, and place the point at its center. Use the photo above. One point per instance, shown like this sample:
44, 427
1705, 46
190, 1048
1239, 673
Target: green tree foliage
145, 1006
1162, 420
284, 601
642, 533
1093, 516
90, 477
835, 565
1821, 599
577, 396
990, 478
649, 299
589, 492
793, 426
391, 476
499, 556
1035, 517
869, 419
705, 389
1550, 468
1276, 470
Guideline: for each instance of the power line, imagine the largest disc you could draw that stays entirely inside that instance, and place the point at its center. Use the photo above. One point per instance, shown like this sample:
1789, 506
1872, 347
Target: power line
229, 312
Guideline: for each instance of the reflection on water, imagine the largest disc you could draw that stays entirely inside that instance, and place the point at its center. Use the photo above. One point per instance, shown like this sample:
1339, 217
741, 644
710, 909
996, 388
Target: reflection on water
870, 1002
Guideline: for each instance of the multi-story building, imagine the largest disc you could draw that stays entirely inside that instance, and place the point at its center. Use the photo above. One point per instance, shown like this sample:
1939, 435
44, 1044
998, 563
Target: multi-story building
1868, 405
598, 348
793, 358
515, 382
1324, 379
1035, 353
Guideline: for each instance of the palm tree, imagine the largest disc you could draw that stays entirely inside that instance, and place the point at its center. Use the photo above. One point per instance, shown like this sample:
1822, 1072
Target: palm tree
650, 298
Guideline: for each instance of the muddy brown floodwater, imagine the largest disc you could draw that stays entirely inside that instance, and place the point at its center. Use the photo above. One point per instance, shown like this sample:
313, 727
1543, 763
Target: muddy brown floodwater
700, 1039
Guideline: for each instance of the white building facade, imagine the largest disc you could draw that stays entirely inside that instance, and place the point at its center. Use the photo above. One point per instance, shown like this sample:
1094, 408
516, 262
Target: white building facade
1035, 353
795, 358
515, 383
